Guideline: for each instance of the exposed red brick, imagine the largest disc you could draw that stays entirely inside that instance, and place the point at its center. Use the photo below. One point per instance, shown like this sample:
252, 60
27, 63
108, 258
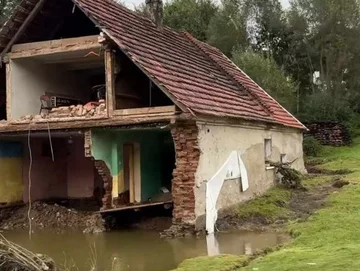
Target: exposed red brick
105, 174
183, 183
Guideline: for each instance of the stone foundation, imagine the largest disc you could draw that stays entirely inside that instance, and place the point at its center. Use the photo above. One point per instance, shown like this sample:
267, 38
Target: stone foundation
185, 136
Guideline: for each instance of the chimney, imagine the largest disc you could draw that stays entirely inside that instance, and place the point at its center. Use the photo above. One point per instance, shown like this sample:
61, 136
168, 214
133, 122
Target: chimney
155, 10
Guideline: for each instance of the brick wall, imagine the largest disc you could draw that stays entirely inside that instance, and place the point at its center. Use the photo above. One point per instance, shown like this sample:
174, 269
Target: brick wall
187, 159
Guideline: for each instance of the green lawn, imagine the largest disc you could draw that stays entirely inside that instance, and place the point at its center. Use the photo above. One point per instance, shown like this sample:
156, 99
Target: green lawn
329, 240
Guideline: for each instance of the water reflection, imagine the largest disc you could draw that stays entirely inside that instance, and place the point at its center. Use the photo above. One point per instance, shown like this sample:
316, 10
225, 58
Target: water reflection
138, 250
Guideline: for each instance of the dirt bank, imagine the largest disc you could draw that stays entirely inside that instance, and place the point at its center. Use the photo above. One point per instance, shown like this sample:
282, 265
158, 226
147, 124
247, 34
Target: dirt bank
300, 205
52, 216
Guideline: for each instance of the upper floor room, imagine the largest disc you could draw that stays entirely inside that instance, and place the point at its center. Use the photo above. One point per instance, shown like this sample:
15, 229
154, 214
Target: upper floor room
61, 66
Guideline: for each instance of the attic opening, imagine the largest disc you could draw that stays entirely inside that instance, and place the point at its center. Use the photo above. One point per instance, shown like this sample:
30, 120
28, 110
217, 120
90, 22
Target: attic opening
61, 84
133, 89
58, 19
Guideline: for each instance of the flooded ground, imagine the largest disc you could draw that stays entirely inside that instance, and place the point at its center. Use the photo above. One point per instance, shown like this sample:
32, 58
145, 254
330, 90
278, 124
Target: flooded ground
136, 250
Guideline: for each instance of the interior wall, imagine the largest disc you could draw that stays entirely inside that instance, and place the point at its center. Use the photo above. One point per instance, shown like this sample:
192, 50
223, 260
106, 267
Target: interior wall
80, 171
155, 147
48, 178
31, 79
70, 176
11, 186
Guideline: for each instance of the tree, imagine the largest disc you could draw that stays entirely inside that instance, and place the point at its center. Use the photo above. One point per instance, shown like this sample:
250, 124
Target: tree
227, 29
265, 72
6, 6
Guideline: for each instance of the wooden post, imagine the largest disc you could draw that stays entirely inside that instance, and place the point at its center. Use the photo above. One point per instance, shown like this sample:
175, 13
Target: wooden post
8, 92
110, 81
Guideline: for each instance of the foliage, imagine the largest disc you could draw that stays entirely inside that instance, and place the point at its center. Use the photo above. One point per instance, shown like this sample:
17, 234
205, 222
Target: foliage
264, 71
192, 16
6, 6
227, 29
311, 146
215, 263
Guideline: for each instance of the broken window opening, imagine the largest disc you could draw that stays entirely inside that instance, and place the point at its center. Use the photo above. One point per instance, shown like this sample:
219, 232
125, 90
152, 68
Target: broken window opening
268, 149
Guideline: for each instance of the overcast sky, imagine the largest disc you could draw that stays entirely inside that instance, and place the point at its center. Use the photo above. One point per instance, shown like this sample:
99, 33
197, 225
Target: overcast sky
132, 3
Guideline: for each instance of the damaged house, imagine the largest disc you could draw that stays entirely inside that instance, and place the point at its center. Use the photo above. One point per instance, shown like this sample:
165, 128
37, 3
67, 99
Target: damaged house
99, 102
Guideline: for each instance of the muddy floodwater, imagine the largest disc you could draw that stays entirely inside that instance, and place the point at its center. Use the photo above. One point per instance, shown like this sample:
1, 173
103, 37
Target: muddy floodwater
136, 250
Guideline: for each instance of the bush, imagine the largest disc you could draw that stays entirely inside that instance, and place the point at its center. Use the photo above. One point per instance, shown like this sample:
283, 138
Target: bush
311, 146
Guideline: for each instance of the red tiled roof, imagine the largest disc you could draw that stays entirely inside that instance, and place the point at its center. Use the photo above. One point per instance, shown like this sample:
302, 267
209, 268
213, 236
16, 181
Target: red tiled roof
199, 77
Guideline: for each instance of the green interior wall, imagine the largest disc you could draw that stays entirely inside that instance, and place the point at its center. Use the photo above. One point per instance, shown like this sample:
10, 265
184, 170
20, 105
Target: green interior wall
157, 155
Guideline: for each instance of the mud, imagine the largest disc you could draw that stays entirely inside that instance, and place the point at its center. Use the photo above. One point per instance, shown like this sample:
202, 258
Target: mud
52, 216
302, 204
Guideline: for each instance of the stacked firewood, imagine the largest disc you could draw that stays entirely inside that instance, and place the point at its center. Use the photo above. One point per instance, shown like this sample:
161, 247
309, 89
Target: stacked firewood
329, 133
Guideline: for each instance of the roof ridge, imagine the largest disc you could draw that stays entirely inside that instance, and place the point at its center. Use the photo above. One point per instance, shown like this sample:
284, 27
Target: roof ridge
198, 44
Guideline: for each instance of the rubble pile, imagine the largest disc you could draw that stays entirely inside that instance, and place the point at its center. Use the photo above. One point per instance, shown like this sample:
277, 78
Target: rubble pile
50, 216
89, 110
329, 133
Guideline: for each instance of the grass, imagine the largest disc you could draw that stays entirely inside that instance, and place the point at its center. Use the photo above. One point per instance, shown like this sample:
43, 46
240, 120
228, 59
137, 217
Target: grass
329, 240
215, 263
270, 206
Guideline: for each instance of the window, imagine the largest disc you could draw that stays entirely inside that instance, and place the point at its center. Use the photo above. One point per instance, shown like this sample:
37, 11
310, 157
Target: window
282, 158
268, 149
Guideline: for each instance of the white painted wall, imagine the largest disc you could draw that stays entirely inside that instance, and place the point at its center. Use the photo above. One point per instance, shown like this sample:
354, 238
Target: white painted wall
216, 144
31, 79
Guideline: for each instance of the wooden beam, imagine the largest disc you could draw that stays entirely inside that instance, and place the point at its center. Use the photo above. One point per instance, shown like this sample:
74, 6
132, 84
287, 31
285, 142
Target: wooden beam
80, 123
8, 92
110, 81
146, 110
87, 44
23, 26
136, 206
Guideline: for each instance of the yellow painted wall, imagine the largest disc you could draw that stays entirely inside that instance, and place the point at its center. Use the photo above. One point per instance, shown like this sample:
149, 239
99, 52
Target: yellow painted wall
11, 185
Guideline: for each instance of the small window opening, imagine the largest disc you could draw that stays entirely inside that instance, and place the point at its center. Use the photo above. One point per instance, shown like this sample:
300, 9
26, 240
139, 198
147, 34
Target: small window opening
282, 158
268, 149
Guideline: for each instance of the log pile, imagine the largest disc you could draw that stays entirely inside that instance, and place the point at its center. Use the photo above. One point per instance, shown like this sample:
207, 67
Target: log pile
329, 133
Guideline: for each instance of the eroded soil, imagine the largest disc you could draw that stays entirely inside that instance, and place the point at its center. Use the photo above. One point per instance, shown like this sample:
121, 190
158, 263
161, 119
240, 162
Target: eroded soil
302, 204
54, 216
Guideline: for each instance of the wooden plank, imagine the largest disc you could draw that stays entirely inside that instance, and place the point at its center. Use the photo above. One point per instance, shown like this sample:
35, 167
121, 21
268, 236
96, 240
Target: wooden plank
110, 81
136, 206
145, 110
60, 43
81, 123
8, 91
23, 26
87, 48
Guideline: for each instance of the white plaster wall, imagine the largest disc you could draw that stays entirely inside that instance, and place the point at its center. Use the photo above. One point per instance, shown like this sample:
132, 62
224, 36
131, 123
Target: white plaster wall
31, 79
217, 142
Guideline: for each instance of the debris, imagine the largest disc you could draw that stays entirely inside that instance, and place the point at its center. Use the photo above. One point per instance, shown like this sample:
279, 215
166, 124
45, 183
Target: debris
50, 216
339, 183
